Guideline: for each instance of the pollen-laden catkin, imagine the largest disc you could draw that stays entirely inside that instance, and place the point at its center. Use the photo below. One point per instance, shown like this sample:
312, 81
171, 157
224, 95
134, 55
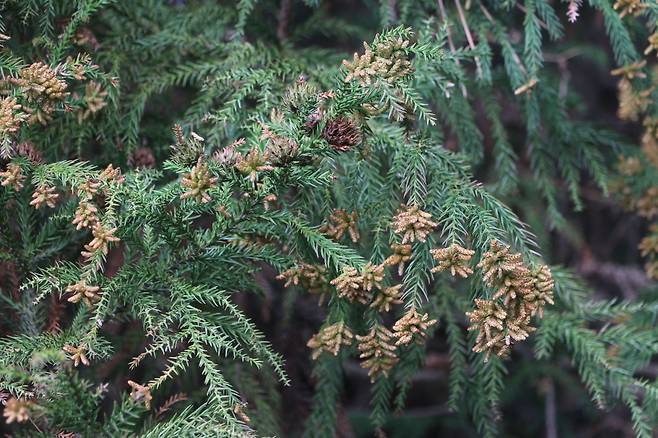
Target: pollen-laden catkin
198, 182
253, 164
412, 326
631, 71
95, 100
17, 410
140, 394
631, 102
454, 258
387, 297
11, 116
488, 319
401, 255
413, 224
44, 195
100, 243
386, 60
541, 291
88, 189
520, 293
372, 276
497, 262
81, 291
39, 80
85, 215
629, 166
653, 44
342, 134
339, 223
377, 351
330, 339
313, 278
647, 205
349, 286
78, 355
625, 7
13, 177
111, 174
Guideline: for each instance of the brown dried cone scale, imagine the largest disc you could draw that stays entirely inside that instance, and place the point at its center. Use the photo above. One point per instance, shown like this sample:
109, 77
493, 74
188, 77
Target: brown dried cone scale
13, 176
198, 182
82, 291
454, 258
401, 255
44, 195
330, 339
142, 158
413, 224
340, 222
378, 351
412, 326
342, 134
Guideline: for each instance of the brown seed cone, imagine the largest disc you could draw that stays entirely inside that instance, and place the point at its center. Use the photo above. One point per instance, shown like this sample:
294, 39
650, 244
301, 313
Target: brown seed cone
28, 150
342, 134
142, 158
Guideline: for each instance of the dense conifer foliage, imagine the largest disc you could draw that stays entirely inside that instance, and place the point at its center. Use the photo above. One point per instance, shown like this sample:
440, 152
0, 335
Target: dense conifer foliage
190, 187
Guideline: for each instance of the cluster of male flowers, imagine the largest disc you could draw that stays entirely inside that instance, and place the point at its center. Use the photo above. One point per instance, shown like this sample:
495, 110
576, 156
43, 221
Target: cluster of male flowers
636, 184
34, 93
91, 195
519, 293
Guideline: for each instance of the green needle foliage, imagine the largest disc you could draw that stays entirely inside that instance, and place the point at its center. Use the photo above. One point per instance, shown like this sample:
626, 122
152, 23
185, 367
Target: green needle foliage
122, 290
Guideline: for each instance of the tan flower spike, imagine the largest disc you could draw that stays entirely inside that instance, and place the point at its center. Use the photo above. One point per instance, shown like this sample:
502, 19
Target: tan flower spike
385, 298
330, 339
140, 393
78, 355
44, 195
378, 351
412, 326
82, 291
413, 224
453, 258
340, 222
13, 176
401, 255
198, 182
17, 410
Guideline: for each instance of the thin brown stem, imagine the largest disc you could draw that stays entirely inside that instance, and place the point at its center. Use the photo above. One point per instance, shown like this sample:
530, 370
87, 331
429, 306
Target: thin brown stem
451, 44
469, 37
